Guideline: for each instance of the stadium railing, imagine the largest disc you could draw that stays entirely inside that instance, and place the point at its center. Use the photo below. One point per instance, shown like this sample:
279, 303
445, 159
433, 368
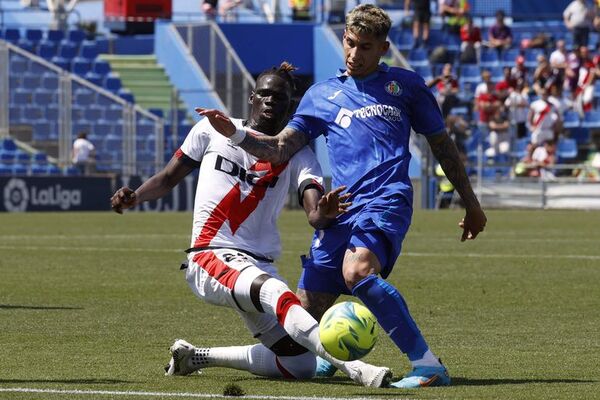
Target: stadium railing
220, 62
58, 105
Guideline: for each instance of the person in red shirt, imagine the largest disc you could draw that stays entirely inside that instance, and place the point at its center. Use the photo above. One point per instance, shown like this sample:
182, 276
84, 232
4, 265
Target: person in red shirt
447, 89
470, 37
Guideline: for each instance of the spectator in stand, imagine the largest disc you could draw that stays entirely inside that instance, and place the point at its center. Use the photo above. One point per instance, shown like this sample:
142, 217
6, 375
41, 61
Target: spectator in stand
537, 165
500, 35
454, 13
227, 10
502, 91
420, 20
583, 95
508, 78
519, 71
574, 61
542, 74
458, 129
517, 104
544, 121
486, 101
447, 88
558, 58
556, 97
83, 154
470, 46
499, 137
578, 18
210, 8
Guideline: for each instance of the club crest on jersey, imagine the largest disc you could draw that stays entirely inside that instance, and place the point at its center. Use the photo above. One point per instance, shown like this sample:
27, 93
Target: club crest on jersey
393, 88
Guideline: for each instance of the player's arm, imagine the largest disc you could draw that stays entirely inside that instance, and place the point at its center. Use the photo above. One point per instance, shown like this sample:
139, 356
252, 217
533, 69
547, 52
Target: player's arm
322, 209
446, 153
275, 149
154, 188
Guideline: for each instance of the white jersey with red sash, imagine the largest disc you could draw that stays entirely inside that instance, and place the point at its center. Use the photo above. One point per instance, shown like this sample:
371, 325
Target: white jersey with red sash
584, 94
239, 198
544, 120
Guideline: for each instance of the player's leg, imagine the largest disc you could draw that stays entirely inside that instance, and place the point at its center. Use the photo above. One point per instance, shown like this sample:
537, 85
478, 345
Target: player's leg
366, 254
277, 356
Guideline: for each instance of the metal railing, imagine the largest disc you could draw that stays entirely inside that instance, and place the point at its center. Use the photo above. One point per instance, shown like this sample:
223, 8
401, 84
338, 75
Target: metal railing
55, 105
220, 63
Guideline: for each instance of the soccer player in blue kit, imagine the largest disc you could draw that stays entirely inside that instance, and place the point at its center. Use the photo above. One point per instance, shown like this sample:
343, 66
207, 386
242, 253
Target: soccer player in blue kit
366, 113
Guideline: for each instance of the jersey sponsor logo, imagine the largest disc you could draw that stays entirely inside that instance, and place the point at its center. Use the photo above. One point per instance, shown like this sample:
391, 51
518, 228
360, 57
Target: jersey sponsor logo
391, 113
229, 167
393, 88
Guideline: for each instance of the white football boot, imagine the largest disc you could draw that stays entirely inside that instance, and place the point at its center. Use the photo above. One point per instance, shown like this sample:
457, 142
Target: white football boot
369, 375
185, 359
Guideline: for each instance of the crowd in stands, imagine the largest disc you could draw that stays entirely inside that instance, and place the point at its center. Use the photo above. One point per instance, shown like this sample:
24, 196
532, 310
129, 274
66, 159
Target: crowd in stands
529, 95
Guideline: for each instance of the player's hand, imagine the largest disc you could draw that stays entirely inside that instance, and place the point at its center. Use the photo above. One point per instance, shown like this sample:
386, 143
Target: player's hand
333, 203
473, 223
218, 120
122, 199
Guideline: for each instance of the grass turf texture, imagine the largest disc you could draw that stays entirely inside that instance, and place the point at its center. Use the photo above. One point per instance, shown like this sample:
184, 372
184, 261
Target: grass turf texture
92, 301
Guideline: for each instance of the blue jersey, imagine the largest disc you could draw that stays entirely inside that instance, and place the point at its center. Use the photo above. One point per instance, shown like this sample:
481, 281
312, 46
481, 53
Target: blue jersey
367, 125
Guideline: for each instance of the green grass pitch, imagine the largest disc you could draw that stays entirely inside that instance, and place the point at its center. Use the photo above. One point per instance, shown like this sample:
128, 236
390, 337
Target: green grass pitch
92, 301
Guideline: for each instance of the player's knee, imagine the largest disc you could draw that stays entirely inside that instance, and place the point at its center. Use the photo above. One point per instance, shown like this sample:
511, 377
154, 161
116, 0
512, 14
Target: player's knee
354, 274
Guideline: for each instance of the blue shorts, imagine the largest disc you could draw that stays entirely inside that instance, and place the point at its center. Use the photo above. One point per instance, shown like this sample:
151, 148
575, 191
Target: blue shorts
380, 228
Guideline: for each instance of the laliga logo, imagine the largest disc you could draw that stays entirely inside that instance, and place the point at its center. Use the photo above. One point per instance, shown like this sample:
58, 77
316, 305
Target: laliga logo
16, 195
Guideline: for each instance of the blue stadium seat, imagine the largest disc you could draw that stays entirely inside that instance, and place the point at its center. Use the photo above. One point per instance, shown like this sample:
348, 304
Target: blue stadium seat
9, 145
489, 58
519, 149
509, 57
72, 171
76, 36
21, 97
7, 157
5, 169
404, 40
101, 67
61, 62
26, 45
15, 114
33, 112
81, 66
112, 83
452, 43
67, 50
103, 45
18, 65
84, 97
37, 68
37, 169
51, 112
94, 78
566, 149
31, 81
22, 156
40, 158
50, 81
581, 135
53, 170
126, 95
113, 113
469, 74
157, 111
45, 97
12, 35
47, 50
19, 169
93, 113
591, 119
531, 57
34, 35
14, 81
145, 128
571, 120
425, 72
89, 50
55, 36
418, 57
41, 131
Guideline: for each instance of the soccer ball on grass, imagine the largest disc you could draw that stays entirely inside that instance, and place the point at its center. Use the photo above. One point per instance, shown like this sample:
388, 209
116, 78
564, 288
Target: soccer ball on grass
348, 331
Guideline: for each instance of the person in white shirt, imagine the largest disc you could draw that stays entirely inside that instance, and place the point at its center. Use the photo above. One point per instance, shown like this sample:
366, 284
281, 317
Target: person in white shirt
578, 18
544, 121
235, 241
517, 104
83, 153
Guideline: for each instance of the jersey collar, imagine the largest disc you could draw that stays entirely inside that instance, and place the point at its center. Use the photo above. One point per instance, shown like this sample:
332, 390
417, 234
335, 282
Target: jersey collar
383, 67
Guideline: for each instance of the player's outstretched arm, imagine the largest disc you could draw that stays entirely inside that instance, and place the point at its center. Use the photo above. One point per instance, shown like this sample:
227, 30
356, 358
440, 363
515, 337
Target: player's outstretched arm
155, 187
446, 153
275, 149
321, 210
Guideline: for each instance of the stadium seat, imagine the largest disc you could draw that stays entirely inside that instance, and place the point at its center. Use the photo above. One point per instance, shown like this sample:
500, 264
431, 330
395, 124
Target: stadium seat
41, 131
31, 81
94, 78
50, 81
566, 149
40, 158
81, 66
67, 50
22, 156
404, 40
145, 128
17, 65
76, 36
469, 74
5, 169
37, 169
12, 35
21, 97
425, 72
157, 111
92, 113
581, 135
34, 35
9, 145
61, 62
33, 112
19, 169
88, 50
531, 57
53, 170
126, 95
72, 171
7, 157
418, 57
591, 119
571, 120
101, 67
46, 50
113, 113
112, 83
509, 57
15, 114
489, 58
26, 45
519, 149
55, 36
45, 97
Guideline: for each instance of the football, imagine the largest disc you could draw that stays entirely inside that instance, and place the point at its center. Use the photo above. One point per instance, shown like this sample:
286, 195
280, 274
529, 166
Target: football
348, 331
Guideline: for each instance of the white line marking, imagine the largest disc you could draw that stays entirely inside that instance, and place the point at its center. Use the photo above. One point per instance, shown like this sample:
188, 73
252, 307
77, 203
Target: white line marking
167, 394
407, 254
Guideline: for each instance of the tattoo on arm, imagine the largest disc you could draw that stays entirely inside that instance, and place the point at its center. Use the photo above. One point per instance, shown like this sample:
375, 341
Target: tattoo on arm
275, 149
446, 153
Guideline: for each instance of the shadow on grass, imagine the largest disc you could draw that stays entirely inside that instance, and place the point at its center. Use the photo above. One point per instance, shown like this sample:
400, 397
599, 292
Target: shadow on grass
458, 381
68, 381
21, 307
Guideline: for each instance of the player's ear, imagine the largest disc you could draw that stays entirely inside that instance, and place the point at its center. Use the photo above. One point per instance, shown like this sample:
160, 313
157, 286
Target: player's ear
251, 98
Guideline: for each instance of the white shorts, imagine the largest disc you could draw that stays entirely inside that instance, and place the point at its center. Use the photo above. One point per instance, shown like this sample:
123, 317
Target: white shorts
212, 276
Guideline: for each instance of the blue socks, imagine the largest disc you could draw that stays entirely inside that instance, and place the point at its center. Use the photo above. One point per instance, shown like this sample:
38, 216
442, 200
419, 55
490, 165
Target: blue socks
391, 311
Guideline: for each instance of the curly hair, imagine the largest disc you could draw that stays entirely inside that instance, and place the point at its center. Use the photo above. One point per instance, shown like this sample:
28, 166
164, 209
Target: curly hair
284, 71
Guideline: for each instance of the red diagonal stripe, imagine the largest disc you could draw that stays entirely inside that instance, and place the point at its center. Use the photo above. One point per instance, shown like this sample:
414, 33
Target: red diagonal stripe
216, 268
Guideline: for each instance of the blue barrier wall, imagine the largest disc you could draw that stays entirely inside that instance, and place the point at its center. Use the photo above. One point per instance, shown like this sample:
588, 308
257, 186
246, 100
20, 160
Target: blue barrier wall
194, 87
261, 46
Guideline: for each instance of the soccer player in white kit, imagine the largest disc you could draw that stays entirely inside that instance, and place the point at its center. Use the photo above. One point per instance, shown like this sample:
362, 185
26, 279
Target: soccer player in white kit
235, 241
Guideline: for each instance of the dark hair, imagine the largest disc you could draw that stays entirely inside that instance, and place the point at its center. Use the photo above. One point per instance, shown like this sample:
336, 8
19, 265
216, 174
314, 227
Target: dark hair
284, 71
500, 13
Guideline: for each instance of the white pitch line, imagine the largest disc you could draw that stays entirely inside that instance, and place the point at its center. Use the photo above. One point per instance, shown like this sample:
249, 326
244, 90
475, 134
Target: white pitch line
408, 254
167, 394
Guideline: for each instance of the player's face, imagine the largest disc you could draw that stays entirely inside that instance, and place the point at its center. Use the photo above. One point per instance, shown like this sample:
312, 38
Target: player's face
362, 53
270, 101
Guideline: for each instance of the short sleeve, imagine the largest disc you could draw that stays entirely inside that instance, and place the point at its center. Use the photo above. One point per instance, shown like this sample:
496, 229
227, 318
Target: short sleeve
196, 142
305, 119
305, 167
425, 115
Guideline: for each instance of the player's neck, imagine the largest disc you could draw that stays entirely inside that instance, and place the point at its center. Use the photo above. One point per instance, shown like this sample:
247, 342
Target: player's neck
266, 129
